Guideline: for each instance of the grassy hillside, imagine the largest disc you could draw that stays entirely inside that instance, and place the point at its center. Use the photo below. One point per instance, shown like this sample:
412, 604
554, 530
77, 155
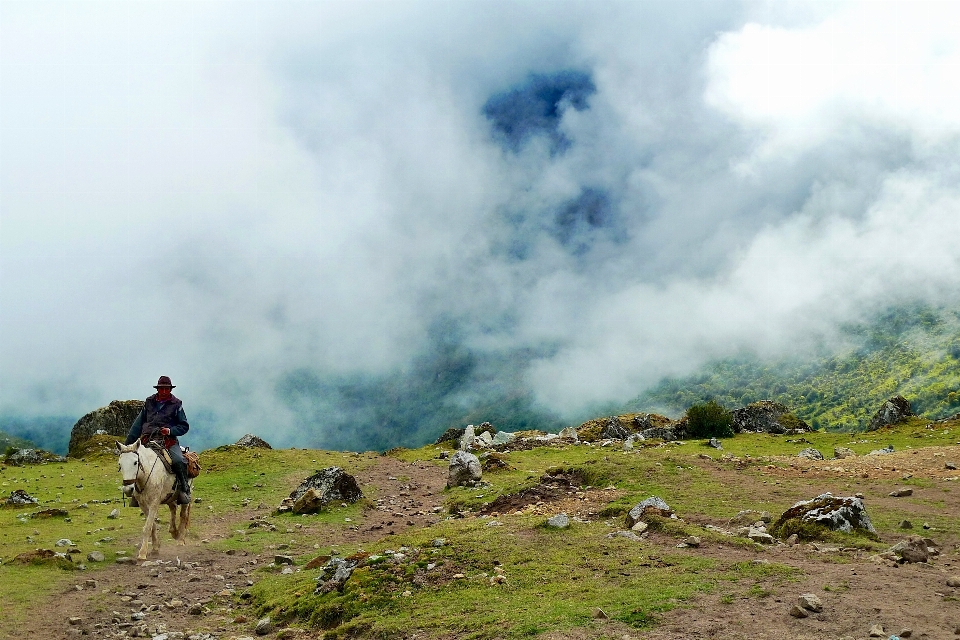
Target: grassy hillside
911, 352
7, 440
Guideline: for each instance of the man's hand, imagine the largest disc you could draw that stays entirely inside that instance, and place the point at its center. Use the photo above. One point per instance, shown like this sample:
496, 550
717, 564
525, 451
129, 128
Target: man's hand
165, 431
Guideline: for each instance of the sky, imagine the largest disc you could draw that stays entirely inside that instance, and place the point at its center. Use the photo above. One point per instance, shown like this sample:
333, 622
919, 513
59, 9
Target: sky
330, 219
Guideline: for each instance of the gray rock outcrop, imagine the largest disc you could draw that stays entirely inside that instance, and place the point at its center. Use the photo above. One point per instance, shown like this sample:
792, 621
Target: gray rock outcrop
32, 456
834, 512
20, 497
251, 441
328, 485
614, 430
114, 419
811, 453
452, 434
765, 416
464, 469
653, 505
894, 410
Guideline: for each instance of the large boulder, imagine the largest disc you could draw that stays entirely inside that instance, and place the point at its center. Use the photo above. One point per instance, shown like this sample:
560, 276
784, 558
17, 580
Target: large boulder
251, 441
833, 512
19, 498
328, 485
114, 419
766, 416
894, 410
614, 430
464, 470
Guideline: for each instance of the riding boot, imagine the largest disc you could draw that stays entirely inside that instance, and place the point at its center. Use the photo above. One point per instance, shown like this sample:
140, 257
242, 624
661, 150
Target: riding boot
183, 488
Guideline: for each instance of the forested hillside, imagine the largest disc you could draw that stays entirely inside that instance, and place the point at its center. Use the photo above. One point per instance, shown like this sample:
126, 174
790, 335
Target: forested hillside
912, 352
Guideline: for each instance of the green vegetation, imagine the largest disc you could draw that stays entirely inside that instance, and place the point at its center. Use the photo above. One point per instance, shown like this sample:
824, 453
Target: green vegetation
911, 352
709, 420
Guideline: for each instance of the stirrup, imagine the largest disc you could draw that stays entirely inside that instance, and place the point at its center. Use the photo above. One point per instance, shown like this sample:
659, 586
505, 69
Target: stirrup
183, 497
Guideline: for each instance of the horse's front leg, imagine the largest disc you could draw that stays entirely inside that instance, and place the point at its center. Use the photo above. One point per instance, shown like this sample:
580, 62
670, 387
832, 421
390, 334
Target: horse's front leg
149, 531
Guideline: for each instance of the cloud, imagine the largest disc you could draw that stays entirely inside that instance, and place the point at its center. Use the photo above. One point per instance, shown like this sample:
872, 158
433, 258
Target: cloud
352, 225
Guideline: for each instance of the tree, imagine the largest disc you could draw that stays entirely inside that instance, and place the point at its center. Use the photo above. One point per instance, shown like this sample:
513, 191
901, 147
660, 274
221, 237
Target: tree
709, 420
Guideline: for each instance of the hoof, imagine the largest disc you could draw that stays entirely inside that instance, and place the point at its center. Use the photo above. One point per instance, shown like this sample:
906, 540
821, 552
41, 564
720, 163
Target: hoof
153, 554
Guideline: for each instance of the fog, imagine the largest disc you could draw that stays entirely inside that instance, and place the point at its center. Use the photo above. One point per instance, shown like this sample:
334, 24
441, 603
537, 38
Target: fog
355, 224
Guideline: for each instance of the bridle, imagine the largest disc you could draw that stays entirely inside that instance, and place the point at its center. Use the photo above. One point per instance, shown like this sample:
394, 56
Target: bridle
136, 481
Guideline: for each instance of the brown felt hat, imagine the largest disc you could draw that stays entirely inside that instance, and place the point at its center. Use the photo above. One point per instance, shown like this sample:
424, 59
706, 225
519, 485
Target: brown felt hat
164, 381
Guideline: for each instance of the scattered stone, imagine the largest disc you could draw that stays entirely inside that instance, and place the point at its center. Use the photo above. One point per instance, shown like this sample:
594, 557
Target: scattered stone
906, 633
953, 581
629, 535
950, 465
639, 527
692, 541
894, 410
63, 542
464, 469
251, 441
278, 560
834, 512
114, 514
811, 453
760, 535
559, 521
798, 612
600, 614
74, 620
905, 524
20, 497
654, 505
913, 549
793, 540
438, 542
614, 430
810, 602
901, 493
195, 609
95, 556
264, 626
713, 442
876, 631
126, 560
843, 452
882, 452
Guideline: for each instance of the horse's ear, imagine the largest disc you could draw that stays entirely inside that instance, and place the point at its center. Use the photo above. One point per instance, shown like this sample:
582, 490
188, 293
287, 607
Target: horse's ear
118, 446
136, 445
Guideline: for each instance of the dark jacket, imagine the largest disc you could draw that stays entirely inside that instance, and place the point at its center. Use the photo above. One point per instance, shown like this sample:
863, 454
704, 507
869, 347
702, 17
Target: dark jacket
154, 416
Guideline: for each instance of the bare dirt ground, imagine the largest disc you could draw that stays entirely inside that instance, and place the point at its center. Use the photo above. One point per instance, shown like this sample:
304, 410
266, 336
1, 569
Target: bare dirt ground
857, 592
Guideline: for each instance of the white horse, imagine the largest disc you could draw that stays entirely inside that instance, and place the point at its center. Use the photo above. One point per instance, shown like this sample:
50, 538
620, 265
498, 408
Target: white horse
145, 477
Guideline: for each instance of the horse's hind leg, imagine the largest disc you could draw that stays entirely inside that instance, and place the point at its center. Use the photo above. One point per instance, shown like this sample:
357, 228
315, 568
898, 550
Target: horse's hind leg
173, 521
184, 523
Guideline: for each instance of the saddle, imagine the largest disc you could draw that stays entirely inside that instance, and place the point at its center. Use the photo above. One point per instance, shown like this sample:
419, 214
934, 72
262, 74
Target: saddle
192, 459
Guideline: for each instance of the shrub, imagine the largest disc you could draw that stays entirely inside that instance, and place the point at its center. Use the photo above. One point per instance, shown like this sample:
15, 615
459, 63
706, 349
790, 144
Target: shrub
709, 420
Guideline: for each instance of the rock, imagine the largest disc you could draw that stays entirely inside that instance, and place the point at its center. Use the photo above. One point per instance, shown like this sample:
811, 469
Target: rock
614, 430
63, 542
569, 433
503, 437
450, 435
760, 536
74, 620
810, 602
715, 444
264, 626
952, 466
278, 560
901, 493
882, 452
464, 468
32, 456
810, 453
793, 540
640, 527
906, 633
468, 438
125, 560
953, 581
692, 541
876, 631
629, 535
20, 497
834, 512
328, 485
913, 549
894, 410
843, 452
195, 609
250, 441
559, 521
114, 419
798, 612
335, 574
600, 614
484, 439
653, 505
905, 524
766, 416
114, 514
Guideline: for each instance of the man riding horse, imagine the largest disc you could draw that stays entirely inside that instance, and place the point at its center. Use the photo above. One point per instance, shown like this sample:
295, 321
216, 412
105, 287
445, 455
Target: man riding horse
162, 420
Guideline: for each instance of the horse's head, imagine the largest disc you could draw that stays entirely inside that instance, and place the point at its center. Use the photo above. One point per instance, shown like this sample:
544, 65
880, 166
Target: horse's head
129, 464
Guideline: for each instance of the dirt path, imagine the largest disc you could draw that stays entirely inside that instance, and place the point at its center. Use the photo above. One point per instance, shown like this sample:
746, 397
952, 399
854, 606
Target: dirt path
190, 590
